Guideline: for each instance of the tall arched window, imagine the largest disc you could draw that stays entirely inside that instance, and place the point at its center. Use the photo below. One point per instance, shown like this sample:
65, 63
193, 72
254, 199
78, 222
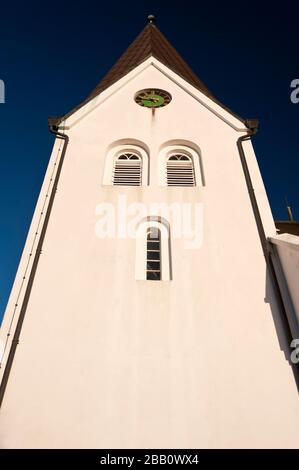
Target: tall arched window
180, 170
153, 259
127, 169
153, 254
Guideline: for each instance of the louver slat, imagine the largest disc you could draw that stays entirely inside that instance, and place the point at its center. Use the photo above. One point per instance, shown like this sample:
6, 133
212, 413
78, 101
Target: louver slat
127, 173
180, 173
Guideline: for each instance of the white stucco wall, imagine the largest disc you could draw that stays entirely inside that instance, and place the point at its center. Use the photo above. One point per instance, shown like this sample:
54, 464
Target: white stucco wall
287, 247
108, 361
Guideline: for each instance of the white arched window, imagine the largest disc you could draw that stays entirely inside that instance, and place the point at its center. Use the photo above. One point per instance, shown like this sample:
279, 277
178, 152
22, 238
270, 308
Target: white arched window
180, 165
126, 165
127, 169
180, 170
153, 261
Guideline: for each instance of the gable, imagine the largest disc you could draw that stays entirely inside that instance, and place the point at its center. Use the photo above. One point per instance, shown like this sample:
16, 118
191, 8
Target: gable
162, 76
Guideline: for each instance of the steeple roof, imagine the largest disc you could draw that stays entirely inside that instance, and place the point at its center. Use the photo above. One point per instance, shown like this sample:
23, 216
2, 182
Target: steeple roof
149, 43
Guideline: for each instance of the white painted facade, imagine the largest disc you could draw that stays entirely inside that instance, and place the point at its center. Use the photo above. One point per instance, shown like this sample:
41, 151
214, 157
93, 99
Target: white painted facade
109, 361
286, 248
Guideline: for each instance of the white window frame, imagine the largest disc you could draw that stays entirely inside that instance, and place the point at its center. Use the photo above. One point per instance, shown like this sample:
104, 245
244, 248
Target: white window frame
169, 150
141, 248
115, 152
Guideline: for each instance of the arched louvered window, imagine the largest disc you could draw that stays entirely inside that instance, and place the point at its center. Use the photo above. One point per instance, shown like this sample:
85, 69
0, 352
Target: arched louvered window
180, 170
153, 254
127, 170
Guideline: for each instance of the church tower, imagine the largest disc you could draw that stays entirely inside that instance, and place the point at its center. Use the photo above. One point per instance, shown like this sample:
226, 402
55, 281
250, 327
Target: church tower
144, 312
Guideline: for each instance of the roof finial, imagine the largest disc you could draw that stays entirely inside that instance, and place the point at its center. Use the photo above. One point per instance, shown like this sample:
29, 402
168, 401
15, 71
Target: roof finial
151, 19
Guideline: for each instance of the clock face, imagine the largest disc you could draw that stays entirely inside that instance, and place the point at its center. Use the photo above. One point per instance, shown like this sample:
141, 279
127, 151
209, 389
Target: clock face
152, 98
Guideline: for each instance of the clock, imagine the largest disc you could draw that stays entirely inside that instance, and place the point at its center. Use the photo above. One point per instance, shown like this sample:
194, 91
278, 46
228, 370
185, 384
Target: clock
152, 98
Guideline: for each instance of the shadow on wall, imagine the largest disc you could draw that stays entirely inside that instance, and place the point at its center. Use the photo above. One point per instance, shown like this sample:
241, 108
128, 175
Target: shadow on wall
281, 325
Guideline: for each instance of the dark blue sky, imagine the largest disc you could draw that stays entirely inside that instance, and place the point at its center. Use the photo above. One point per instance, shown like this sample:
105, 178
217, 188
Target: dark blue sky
53, 54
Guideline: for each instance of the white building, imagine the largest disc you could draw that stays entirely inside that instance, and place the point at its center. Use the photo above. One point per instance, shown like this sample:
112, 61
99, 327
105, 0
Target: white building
181, 340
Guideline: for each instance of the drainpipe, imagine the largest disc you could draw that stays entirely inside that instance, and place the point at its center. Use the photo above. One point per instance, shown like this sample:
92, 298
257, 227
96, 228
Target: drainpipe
252, 125
53, 127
